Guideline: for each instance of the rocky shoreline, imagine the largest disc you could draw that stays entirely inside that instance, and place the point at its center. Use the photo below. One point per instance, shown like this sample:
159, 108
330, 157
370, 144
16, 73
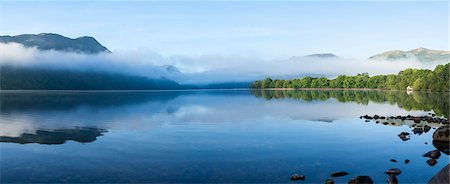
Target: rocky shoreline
418, 125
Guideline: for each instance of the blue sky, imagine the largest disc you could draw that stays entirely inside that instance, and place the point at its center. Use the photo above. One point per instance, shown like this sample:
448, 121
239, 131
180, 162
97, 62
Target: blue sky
257, 29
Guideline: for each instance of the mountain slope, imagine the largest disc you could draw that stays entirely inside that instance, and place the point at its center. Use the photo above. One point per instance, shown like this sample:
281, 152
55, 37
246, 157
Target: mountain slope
50, 41
317, 56
421, 54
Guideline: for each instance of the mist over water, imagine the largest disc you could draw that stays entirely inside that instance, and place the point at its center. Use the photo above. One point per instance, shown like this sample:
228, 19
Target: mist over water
200, 69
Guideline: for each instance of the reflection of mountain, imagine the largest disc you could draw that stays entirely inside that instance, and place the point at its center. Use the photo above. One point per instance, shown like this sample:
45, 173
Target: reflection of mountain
59, 136
30, 78
22, 101
438, 102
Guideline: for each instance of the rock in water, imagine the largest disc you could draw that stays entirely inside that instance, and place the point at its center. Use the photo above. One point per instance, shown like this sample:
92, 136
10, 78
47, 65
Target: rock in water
432, 162
442, 134
393, 160
442, 146
392, 179
404, 136
361, 180
329, 181
295, 177
340, 173
407, 161
432, 154
393, 171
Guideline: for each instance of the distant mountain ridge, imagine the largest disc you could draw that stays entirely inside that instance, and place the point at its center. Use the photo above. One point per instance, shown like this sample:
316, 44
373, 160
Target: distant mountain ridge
318, 56
421, 54
322, 55
51, 41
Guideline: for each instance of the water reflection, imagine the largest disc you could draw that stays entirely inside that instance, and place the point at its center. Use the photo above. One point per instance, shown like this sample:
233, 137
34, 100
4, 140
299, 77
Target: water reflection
82, 135
437, 102
207, 136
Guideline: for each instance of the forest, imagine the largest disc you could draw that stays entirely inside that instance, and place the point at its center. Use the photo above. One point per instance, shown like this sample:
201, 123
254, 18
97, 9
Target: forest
418, 79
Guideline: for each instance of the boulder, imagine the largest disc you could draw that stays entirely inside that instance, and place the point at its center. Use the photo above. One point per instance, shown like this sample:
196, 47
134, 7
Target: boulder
442, 134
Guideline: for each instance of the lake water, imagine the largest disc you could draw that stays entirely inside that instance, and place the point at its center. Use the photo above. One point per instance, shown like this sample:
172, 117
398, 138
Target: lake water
212, 136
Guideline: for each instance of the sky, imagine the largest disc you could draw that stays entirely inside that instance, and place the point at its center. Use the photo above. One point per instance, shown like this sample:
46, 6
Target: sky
265, 30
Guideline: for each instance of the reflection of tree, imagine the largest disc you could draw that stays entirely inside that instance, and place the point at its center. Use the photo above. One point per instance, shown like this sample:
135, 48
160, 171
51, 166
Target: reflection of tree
438, 102
59, 136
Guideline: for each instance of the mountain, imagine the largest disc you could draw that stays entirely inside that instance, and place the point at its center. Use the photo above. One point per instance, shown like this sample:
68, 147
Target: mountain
322, 55
421, 54
29, 78
50, 41
318, 56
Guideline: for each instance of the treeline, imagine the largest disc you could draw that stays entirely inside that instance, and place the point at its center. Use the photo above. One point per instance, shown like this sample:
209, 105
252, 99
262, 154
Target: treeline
418, 79
28, 78
437, 102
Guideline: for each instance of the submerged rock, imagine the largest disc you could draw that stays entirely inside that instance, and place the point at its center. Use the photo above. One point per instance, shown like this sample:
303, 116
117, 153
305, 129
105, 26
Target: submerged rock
392, 179
329, 181
361, 180
295, 177
432, 162
338, 174
393, 171
406, 161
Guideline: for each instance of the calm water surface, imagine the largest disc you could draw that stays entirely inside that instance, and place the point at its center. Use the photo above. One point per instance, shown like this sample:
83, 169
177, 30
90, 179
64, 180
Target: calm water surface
212, 136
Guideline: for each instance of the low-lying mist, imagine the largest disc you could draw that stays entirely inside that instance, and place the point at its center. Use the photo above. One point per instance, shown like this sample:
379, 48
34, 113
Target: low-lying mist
200, 69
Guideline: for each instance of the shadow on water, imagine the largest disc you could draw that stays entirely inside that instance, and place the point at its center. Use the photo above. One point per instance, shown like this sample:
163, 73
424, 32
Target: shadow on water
59, 136
437, 102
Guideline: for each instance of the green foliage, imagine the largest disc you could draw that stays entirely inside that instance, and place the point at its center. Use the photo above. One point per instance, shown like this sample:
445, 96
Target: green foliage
419, 79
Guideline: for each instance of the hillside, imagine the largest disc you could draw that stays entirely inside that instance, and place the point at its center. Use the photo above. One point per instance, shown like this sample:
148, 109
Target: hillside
421, 54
